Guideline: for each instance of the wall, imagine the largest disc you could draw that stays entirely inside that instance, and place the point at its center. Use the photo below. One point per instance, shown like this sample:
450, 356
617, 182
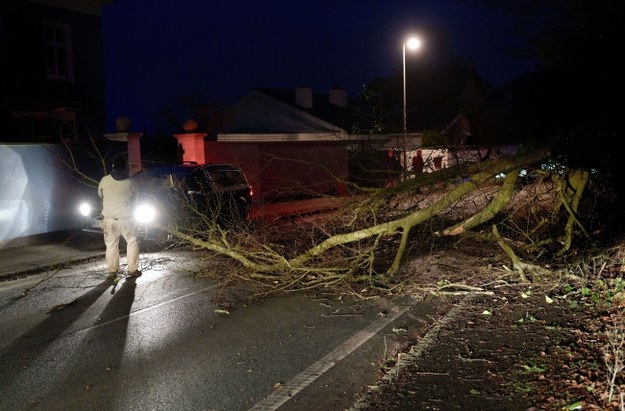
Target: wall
244, 155
291, 170
468, 154
285, 170
36, 195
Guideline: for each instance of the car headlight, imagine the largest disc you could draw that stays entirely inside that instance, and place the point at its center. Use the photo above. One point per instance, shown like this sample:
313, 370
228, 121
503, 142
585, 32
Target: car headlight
145, 213
85, 209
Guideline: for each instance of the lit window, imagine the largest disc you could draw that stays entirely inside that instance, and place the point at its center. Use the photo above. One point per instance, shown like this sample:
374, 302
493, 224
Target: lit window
58, 40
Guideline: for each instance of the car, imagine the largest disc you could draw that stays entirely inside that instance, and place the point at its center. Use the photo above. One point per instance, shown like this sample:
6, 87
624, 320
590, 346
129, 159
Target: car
181, 194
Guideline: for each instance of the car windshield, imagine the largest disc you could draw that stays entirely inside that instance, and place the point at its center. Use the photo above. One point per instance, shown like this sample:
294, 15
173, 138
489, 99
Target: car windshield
197, 179
226, 178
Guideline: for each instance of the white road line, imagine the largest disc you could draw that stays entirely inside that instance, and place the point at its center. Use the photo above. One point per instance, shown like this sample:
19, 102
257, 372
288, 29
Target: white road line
134, 313
306, 377
142, 310
418, 350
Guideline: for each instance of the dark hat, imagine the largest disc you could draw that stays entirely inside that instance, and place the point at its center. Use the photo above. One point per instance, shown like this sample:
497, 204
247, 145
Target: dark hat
119, 164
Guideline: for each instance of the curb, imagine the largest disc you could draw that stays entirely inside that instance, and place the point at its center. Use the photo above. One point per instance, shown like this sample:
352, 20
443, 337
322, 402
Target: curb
14, 275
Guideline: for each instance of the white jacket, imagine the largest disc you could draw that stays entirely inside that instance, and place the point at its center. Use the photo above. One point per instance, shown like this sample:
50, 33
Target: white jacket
118, 197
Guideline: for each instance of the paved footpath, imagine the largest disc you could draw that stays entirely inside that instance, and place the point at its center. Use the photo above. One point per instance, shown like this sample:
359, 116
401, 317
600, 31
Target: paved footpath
474, 357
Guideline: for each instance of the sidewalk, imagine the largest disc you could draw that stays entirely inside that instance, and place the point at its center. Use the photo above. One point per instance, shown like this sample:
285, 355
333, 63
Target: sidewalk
72, 247
500, 352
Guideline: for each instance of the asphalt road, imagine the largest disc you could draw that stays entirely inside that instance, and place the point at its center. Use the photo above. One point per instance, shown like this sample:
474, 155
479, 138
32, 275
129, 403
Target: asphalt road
77, 341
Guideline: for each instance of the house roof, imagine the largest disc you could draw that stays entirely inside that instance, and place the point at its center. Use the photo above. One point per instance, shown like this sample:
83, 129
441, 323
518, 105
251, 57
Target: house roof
266, 111
436, 98
322, 105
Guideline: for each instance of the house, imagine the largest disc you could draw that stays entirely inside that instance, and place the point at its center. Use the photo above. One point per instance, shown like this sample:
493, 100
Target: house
300, 142
51, 70
290, 143
51, 93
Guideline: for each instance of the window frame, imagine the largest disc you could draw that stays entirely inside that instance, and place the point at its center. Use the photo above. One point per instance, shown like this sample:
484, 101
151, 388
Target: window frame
58, 52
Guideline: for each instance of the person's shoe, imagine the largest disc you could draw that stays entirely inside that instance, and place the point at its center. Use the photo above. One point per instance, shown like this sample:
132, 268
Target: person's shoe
134, 273
111, 275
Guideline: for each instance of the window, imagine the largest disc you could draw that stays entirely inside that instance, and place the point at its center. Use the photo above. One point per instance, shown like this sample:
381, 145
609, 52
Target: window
48, 125
58, 41
227, 178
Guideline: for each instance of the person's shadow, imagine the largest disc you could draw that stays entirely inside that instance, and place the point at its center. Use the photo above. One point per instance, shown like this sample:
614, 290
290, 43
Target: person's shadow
39, 337
118, 308
98, 361
29, 350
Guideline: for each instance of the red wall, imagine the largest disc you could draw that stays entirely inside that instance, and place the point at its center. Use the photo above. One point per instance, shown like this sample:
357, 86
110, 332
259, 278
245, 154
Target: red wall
285, 169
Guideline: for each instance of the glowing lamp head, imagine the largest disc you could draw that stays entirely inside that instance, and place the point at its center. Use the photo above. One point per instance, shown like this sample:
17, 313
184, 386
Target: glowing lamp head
413, 43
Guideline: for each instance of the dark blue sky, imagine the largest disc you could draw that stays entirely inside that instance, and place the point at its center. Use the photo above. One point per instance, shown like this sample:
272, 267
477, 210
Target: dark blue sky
158, 50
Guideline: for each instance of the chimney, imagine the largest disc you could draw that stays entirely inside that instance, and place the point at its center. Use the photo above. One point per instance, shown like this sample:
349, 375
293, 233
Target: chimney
303, 96
338, 96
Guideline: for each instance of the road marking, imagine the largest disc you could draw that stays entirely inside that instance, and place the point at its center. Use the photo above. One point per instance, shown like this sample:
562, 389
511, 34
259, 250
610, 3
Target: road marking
142, 310
306, 377
133, 313
418, 350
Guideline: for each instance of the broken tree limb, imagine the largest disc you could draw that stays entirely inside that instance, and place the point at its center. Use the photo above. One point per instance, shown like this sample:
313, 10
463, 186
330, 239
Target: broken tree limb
419, 216
521, 267
487, 213
575, 181
267, 262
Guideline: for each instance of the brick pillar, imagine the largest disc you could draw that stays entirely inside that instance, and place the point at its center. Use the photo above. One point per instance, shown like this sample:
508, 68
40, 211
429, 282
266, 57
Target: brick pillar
192, 145
134, 153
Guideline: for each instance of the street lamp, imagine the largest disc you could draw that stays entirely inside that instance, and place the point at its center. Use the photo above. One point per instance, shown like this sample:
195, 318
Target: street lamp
413, 43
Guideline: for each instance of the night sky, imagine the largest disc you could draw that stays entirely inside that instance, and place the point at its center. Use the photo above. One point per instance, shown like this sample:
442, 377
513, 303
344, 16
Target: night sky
159, 50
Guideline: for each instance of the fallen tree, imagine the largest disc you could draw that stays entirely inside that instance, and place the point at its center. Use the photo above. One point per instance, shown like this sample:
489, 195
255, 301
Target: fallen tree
368, 240
349, 249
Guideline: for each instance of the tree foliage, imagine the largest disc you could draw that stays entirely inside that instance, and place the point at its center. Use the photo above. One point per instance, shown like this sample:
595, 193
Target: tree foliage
367, 241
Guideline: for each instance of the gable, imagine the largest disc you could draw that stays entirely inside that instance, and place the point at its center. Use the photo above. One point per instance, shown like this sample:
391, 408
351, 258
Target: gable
257, 112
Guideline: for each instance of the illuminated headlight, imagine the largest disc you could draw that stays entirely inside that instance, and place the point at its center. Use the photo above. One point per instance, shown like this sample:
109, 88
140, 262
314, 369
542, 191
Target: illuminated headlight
145, 214
85, 209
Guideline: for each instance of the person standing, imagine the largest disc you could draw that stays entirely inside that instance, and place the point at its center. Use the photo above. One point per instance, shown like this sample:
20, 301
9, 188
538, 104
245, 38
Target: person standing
118, 193
417, 163
393, 169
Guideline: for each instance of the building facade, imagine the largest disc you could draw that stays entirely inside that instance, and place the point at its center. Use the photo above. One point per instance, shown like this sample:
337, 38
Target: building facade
51, 70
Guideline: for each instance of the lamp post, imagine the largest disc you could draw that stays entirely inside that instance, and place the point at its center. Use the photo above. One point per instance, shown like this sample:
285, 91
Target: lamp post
413, 43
